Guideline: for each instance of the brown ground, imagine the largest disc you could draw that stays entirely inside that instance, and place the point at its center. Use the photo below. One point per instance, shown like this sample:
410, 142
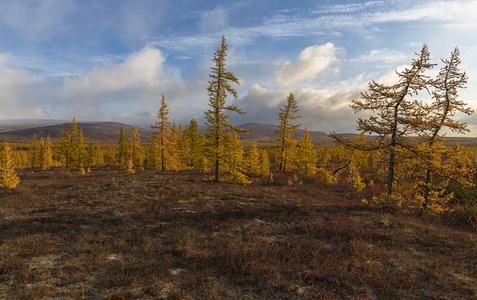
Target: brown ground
110, 235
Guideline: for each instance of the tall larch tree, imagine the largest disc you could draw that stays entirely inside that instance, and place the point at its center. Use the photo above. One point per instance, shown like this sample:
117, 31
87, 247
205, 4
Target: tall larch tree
446, 103
286, 131
254, 163
264, 163
307, 156
175, 145
46, 153
394, 116
8, 177
194, 142
235, 161
122, 149
135, 151
91, 155
163, 133
72, 146
219, 113
34, 152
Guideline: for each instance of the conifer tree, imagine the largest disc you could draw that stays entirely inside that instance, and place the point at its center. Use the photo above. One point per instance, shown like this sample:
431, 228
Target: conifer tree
285, 132
34, 152
254, 164
307, 156
8, 176
194, 143
235, 160
175, 159
446, 103
80, 151
264, 163
90, 155
163, 133
72, 146
218, 114
123, 149
135, 151
46, 153
395, 116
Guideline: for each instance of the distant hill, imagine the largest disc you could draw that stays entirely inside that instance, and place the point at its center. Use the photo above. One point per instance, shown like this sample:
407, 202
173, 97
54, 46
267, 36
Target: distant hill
107, 132
19, 124
263, 133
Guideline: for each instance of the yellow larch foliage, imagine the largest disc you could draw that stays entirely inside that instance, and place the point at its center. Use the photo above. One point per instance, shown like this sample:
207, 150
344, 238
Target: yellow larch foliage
254, 164
306, 156
8, 177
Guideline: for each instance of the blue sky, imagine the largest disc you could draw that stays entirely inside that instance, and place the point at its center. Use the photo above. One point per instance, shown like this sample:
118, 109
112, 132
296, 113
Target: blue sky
112, 60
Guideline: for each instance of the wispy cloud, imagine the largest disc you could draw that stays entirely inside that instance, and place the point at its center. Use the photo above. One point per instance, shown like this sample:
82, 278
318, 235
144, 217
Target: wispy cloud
36, 19
384, 55
328, 21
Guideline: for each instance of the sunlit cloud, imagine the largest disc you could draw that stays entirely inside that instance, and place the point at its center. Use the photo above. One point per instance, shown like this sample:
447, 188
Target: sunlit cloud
138, 69
311, 61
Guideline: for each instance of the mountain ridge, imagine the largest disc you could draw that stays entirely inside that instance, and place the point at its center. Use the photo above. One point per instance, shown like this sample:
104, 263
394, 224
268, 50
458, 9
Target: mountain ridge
108, 132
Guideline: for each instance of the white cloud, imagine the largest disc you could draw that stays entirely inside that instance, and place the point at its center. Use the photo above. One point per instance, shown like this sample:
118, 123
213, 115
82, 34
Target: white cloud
325, 109
20, 92
139, 69
311, 61
259, 96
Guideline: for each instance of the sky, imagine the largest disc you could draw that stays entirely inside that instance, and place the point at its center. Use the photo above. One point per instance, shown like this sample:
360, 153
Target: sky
112, 60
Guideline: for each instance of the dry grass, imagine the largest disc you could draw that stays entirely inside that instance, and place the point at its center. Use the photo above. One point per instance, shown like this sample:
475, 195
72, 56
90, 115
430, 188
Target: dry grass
110, 235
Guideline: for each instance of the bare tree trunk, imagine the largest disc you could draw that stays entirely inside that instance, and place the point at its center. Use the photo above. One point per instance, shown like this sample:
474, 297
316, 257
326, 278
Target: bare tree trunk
392, 158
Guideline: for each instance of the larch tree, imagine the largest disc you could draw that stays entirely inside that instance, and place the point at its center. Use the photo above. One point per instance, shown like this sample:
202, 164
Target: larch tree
81, 151
135, 151
8, 177
394, 116
307, 156
286, 131
162, 135
217, 116
72, 146
45, 153
35, 148
264, 163
91, 155
254, 163
444, 106
175, 145
194, 143
235, 160
122, 149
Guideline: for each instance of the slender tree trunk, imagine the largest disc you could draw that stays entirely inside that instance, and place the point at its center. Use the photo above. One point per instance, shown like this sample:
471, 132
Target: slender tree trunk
217, 143
389, 190
216, 170
163, 165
